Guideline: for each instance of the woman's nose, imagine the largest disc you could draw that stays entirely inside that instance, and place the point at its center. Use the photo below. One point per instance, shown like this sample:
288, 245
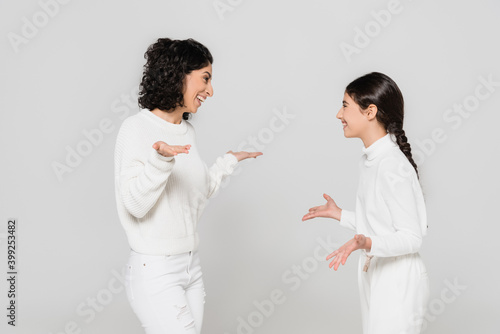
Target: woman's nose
339, 114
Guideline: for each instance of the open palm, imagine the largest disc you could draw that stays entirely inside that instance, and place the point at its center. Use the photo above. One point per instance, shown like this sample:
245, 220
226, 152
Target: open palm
245, 155
340, 255
170, 150
327, 210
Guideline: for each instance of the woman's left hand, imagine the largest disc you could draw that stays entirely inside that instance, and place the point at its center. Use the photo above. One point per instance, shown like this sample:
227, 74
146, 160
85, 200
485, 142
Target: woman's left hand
245, 155
340, 255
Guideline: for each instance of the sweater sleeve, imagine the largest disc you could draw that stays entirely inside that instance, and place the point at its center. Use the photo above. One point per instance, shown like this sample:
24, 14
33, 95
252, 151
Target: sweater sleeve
223, 167
404, 200
348, 219
141, 180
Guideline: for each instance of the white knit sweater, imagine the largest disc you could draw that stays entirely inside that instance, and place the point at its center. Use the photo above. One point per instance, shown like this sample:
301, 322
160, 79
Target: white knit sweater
390, 207
160, 199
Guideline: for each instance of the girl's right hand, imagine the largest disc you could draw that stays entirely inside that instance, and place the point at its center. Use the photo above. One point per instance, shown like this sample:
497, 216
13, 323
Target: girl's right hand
170, 151
328, 210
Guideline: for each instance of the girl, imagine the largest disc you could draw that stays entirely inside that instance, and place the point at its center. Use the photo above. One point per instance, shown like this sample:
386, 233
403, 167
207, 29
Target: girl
390, 216
162, 185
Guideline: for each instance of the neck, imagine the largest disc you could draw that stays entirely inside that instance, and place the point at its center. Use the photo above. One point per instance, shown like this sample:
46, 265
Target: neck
373, 136
174, 117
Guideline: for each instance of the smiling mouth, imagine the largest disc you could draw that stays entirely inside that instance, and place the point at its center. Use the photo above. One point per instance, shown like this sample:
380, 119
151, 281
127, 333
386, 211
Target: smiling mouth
200, 98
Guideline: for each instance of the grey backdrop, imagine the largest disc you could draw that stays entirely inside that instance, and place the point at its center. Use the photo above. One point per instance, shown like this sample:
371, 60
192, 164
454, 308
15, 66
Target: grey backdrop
70, 71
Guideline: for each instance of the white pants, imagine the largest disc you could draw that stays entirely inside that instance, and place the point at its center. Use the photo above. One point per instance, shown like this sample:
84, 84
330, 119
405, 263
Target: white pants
394, 294
166, 292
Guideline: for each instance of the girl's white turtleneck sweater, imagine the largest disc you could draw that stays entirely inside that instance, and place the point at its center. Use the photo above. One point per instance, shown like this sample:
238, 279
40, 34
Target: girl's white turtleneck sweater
390, 206
160, 199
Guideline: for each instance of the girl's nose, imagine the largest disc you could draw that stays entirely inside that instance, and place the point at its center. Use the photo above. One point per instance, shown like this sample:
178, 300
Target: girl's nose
210, 89
339, 114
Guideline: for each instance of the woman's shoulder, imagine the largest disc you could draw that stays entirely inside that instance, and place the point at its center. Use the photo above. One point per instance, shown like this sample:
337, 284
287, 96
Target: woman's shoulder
135, 122
133, 128
191, 132
189, 125
132, 119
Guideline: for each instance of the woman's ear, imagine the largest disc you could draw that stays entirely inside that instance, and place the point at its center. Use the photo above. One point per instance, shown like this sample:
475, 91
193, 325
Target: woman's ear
371, 112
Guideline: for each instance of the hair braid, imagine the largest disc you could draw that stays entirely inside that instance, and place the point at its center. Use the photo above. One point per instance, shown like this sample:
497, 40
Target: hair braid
404, 145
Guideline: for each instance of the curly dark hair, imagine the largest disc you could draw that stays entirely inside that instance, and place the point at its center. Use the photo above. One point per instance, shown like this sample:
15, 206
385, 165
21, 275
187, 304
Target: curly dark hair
378, 89
167, 63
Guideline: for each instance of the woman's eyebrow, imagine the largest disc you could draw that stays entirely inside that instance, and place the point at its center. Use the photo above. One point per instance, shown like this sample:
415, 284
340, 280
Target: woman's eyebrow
344, 102
209, 75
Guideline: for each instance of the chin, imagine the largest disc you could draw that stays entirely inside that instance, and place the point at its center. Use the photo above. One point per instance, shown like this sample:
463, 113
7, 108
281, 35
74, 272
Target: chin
349, 135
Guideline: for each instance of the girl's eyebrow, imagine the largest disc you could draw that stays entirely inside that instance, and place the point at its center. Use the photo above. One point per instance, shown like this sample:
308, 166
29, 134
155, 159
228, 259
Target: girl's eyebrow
344, 102
209, 75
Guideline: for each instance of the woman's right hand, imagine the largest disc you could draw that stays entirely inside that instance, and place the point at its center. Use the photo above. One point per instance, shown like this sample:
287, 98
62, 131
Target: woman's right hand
170, 151
328, 210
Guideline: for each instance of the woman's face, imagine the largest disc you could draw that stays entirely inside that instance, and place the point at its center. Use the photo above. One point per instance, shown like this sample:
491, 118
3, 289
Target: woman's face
353, 119
197, 87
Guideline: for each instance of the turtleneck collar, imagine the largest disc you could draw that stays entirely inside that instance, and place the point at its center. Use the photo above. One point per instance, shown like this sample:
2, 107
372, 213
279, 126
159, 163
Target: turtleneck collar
379, 146
178, 129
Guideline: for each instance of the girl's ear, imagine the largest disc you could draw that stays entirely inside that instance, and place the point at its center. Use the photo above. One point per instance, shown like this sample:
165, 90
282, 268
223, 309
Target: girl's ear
371, 112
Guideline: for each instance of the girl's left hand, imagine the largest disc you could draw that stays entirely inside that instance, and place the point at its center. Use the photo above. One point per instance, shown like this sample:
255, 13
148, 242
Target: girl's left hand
340, 255
245, 155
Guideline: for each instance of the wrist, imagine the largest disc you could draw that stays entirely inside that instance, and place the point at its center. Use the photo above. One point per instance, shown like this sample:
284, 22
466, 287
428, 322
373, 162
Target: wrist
237, 156
368, 244
337, 214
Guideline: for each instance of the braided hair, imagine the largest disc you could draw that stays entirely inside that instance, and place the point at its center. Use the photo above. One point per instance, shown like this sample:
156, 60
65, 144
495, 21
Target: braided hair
380, 90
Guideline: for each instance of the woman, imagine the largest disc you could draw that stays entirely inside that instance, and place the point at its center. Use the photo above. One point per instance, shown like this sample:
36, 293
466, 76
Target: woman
162, 185
390, 217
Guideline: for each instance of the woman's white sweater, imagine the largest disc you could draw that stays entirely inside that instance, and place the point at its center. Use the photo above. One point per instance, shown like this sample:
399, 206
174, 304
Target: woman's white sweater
160, 199
390, 206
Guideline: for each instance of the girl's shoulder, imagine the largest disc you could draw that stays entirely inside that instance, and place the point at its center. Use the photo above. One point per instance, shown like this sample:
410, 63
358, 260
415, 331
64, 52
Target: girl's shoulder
395, 163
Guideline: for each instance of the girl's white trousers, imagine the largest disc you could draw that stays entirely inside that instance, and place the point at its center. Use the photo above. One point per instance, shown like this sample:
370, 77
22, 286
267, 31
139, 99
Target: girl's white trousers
394, 293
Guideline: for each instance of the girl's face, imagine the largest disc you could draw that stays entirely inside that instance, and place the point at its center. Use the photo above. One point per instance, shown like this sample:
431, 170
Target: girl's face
197, 87
353, 118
